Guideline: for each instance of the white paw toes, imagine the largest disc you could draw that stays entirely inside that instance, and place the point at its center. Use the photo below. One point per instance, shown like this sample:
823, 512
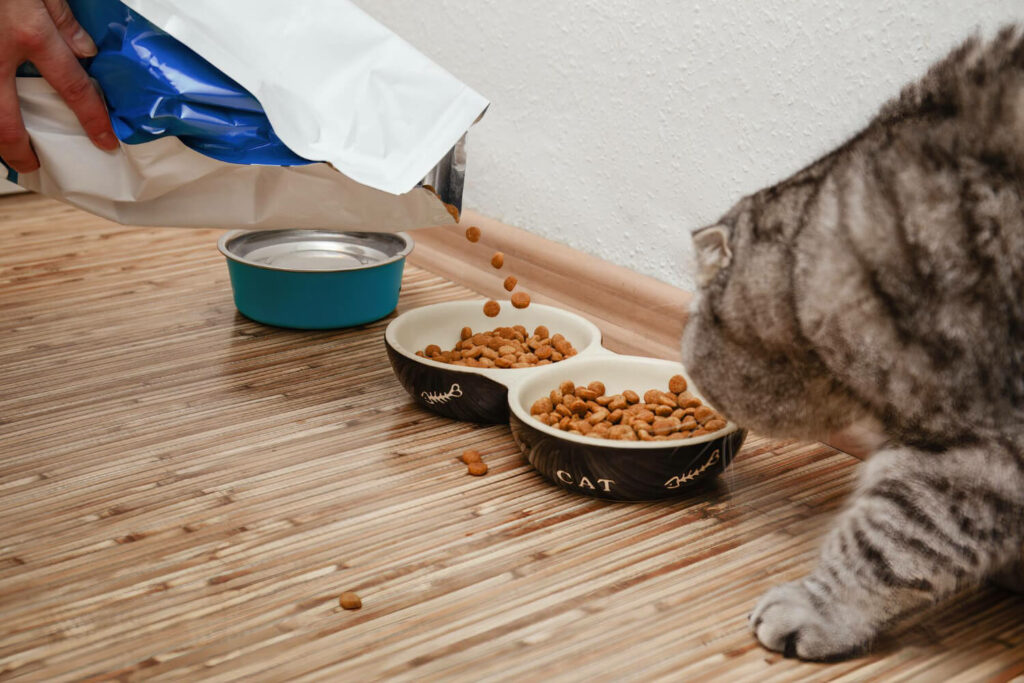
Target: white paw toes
791, 620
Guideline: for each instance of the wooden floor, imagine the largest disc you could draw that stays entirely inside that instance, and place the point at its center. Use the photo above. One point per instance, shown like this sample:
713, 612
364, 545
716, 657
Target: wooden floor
184, 494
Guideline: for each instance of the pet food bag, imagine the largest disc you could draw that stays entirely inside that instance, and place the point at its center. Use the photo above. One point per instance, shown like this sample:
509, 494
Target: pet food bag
255, 114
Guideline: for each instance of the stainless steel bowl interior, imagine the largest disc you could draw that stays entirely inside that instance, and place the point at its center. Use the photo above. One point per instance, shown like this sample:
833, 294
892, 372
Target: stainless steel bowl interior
314, 250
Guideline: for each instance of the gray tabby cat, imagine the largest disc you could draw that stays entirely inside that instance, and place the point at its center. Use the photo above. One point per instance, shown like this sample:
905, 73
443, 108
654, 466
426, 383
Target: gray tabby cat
884, 284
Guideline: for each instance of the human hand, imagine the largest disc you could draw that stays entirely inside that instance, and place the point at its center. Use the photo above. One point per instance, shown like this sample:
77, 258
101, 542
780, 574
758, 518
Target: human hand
46, 33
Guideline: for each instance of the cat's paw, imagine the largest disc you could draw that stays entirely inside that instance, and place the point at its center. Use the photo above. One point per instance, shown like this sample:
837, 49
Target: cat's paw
791, 620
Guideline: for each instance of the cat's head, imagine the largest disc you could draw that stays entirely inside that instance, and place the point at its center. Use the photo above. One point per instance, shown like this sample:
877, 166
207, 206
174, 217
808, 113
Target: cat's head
743, 345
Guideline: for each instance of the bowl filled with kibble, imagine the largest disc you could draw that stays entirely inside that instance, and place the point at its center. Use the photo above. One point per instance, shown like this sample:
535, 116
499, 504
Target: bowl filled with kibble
458, 358
620, 427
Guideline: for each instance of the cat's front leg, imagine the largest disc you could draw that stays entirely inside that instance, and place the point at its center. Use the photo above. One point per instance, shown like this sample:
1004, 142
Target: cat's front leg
922, 525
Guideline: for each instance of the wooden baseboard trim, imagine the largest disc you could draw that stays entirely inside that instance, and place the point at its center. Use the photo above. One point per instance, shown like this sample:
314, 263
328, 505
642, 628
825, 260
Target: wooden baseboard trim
638, 314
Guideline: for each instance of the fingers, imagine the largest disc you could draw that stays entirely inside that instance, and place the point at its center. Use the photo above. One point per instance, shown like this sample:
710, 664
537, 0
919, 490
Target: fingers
58, 65
15, 148
70, 30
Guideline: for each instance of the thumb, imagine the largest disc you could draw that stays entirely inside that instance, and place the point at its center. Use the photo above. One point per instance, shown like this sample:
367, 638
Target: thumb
70, 30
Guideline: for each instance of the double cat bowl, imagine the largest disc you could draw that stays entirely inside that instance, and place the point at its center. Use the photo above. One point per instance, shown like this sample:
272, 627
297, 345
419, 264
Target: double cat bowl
616, 470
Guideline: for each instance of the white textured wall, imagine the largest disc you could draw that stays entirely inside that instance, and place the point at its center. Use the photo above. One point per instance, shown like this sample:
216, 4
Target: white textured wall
618, 126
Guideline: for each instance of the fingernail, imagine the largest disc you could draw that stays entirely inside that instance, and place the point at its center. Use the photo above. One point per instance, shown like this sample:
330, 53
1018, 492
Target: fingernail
107, 141
83, 44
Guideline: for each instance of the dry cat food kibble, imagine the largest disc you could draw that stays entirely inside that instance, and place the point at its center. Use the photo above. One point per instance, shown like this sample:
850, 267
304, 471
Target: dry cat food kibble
477, 469
498, 260
492, 308
503, 347
520, 300
350, 600
510, 283
471, 456
473, 233
657, 416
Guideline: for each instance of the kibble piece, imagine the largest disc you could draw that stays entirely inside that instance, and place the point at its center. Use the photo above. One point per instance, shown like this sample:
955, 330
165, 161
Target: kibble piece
631, 396
667, 400
477, 469
498, 260
492, 308
622, 432
597, 387
644, 415
662, 410
510, 282
432, 350
541, 332
703, 414
473, 233
541, 405
579, 407
714, 425
543, 352
521, 300
599, 415
617, 402
471, 456
567, 387
349, 600
586, 394
466, 333
665, 425
615, 416
652, 396
677, 384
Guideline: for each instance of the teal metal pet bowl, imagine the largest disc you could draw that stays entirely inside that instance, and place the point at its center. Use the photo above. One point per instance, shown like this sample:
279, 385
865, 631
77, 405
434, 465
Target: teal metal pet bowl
315, 279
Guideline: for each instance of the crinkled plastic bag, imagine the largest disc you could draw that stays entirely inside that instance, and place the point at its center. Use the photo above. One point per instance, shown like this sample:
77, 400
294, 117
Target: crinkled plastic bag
255, 114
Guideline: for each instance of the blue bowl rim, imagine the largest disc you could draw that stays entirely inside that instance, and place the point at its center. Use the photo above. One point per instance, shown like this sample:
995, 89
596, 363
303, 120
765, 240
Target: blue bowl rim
222, 246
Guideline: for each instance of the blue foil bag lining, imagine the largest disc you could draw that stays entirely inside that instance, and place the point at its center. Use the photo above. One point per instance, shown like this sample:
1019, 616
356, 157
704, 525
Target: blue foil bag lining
156, 86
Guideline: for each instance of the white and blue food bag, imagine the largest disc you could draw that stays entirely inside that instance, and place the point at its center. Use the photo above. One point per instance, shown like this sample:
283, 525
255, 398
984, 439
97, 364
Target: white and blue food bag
255, 114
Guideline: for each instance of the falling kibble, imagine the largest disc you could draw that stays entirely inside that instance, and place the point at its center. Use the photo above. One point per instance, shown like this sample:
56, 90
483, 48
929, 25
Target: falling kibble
677, 384
350, 600
473, 233
498, 260
520, 299
510, 283
477, 469
492, 308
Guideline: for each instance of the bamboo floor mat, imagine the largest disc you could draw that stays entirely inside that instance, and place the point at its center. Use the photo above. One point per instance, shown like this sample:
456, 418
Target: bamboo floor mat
185, 493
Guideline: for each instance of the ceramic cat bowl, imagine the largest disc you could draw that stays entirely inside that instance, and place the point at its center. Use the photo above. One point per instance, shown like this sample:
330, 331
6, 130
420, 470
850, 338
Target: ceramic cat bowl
614, 470
472, 394
617, 470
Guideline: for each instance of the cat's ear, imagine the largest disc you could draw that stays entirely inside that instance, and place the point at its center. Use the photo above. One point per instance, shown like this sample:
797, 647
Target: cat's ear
713, 253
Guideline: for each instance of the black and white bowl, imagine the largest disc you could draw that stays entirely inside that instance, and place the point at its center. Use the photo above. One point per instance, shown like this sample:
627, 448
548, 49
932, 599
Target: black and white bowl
473, 394
615, 470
